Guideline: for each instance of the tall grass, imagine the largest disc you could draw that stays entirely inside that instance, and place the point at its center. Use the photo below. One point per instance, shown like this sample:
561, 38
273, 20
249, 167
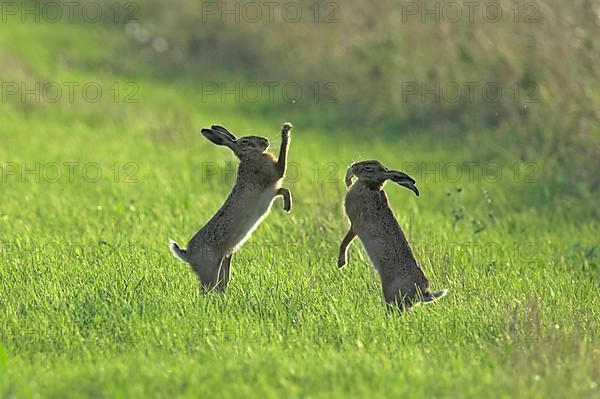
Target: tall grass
92, 304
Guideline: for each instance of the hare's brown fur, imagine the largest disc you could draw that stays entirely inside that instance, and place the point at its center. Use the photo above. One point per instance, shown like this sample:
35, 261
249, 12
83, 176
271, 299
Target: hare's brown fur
258, 183
373, 221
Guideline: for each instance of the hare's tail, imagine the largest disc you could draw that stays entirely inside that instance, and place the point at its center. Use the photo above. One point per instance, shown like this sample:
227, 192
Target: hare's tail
433, 296
178, 252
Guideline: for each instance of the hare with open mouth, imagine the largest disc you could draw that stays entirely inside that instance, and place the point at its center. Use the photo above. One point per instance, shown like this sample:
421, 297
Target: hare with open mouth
372, 220
258, 183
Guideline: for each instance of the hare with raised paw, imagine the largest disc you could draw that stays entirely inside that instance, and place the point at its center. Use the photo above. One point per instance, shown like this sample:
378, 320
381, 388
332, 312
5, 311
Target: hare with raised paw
258, 183
403, 282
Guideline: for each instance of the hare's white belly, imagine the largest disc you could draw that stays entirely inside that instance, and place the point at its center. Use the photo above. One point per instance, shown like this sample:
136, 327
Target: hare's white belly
252, 213
374, 250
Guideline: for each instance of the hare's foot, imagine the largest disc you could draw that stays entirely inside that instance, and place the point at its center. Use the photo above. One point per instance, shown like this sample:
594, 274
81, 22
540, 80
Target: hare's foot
432, 296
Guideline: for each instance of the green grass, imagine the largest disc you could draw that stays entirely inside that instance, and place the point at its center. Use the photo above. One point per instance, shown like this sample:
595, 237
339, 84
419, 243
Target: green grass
93, 304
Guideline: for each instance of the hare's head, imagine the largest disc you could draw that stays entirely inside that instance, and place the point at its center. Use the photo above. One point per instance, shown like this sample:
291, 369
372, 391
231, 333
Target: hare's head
244, 147
374, 174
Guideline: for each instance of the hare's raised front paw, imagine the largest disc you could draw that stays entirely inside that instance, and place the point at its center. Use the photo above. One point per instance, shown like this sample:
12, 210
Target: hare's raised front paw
287, 128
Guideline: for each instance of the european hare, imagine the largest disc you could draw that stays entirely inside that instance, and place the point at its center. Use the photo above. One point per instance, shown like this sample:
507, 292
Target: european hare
258, 182
371, 218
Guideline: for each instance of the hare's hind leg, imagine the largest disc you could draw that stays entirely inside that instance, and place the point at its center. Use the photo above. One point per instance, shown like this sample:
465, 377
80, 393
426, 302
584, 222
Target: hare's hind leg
287, 199
206, 264
400, 294
224, 273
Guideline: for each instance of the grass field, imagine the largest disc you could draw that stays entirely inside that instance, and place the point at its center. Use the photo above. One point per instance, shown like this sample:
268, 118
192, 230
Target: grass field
92, 303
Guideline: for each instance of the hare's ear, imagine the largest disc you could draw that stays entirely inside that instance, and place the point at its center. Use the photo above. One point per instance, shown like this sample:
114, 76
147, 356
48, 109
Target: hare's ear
224, 131
403, 179
217, 137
